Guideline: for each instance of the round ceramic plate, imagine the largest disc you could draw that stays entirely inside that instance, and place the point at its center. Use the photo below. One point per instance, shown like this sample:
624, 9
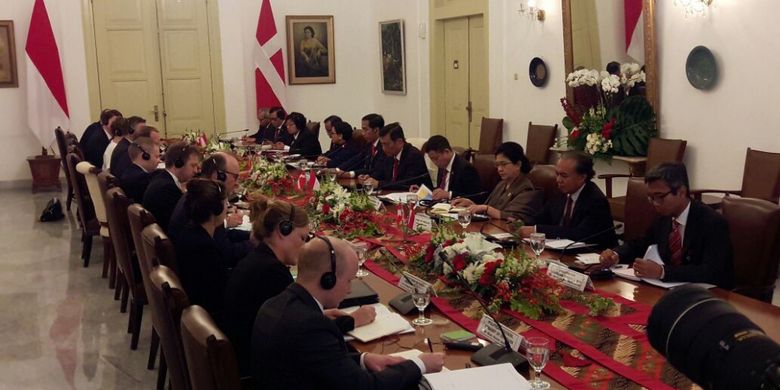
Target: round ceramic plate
537, 72
701, 69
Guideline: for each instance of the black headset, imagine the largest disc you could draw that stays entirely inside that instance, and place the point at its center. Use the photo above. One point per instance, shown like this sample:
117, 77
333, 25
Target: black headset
286, 225
144, 154
221, 175
179, 160
328, 279
218, 208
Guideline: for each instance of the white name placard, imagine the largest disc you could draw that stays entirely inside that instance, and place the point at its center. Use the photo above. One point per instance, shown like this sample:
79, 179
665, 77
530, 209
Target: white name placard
375, 202
410, 283
422, 222
569, 277
488, 329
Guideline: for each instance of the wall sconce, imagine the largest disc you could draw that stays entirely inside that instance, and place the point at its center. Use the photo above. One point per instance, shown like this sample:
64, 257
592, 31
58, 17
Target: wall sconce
529, 7
693, 7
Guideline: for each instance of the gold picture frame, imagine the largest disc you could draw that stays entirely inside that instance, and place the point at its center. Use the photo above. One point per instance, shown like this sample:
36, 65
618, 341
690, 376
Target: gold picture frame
8, 72
311, 55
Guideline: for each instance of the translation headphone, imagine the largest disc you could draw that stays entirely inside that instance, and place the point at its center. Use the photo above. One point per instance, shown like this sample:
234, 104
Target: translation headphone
144, 154
328, 279
221, 175
218, 207
179, 161
286, 225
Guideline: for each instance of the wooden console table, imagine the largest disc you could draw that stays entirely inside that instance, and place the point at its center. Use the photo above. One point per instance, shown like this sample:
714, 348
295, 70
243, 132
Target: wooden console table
45, 172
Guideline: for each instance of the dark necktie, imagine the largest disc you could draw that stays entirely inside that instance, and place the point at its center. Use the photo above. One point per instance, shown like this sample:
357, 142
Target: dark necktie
395, 169
675, 243
442, 180
567, 212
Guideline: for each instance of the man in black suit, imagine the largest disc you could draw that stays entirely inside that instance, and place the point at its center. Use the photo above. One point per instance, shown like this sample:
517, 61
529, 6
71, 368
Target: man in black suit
120, 159
581, 210
145, 155
693, 240
364, 162
233, 244
166, 187
404, 165
456, 177
344, 146
295, 346
265, 133
97, 136
279, 135
303, 141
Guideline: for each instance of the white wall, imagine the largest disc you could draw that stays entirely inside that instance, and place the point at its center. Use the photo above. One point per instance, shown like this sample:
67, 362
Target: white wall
17, 140
612, 29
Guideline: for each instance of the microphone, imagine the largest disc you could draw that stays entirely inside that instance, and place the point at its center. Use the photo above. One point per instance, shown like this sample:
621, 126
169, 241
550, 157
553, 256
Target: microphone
585, 240
401, 182
493, 353
219, 137
403, 302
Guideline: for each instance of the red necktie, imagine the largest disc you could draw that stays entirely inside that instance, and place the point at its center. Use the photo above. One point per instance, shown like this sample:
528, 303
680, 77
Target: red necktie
443, 179
395, 169
675, 243
567, 212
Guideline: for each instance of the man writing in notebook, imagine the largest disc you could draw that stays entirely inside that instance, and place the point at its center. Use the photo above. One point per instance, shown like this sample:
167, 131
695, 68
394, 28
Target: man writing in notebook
295, 346
692, 239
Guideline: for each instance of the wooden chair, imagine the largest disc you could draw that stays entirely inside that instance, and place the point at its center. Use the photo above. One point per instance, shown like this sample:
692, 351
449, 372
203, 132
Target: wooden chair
62, 146
211, 359
544, 178
485, 164
659, 150
491, 134
127, 262
90, 173
314, 128
159, 249
754, 226
140, 218
640, 214
88, 222
540, 139
167, 300
760, 179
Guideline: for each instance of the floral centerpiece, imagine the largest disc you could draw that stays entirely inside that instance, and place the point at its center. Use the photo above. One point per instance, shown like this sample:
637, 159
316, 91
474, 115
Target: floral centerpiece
269, 178
616, 119
351, 212
195, 137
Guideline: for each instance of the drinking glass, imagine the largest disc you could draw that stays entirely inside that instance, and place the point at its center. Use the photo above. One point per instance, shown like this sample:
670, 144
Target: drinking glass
421, 297
362, 253
537, 244
369, 187
538, 352
302, 165
411, 203
464, 218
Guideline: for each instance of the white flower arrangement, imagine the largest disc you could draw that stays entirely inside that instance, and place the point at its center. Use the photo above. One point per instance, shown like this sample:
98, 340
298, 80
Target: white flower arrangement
596, 143
582, 77
630, 75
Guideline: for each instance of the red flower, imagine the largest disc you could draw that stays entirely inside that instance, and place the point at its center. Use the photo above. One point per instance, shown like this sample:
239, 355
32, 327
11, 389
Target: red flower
325, 208
606, 130
429, 254
490, 271
459, 262
574, 134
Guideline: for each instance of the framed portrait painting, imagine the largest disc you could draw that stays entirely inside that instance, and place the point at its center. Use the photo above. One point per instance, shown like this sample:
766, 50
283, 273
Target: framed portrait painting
8, 75
393, 59
311, 58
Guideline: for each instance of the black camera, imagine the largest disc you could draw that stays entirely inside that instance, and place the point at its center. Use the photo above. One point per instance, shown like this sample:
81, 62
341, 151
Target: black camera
713, 344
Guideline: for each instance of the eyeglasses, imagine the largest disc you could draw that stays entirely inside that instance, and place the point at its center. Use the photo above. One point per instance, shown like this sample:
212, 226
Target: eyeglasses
658, 198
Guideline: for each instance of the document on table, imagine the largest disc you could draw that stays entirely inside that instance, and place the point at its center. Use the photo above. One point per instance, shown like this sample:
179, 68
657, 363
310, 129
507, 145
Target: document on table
588, 258
496, 377
397, 197
386, 323
653, 255
560, 243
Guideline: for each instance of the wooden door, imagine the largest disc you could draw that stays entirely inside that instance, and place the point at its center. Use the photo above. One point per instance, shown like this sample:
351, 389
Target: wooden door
456, 81
478, 77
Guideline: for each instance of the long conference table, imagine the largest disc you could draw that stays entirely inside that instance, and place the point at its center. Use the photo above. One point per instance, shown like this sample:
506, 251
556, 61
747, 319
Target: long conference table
765, 315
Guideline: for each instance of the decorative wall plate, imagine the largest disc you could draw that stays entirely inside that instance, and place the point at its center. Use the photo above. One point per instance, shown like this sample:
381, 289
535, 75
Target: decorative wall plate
701, 68
537, 72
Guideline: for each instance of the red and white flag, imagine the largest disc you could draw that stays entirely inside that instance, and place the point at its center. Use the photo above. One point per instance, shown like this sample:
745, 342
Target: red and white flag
269, 62
635, 41
47, 104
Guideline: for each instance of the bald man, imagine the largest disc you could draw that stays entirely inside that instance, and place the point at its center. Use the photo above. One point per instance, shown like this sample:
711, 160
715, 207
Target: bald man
295, 346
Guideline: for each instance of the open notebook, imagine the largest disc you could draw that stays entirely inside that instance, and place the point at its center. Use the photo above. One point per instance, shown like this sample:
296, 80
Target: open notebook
386, 323
651, 254
497, 377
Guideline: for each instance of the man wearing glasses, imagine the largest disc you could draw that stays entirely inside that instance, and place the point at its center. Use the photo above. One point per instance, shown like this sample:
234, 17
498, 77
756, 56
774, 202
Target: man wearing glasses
692, 239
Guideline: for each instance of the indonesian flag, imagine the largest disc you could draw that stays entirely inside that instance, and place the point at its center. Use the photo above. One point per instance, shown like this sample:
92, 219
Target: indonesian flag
635, 41
269, 63
47, 104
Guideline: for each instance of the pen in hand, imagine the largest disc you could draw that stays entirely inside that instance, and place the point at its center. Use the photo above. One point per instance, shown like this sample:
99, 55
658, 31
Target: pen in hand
430, 345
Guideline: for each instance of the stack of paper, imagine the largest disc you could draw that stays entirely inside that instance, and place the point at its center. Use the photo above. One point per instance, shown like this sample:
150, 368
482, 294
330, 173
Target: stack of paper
560, 243
588, 258
386, 323
652, 255
498, 377
397, 197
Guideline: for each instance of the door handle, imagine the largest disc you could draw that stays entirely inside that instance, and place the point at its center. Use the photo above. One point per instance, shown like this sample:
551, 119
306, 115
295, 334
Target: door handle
156, 113
469, 110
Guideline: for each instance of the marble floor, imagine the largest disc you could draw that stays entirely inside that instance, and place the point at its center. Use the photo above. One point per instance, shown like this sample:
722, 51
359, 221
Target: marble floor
60, 327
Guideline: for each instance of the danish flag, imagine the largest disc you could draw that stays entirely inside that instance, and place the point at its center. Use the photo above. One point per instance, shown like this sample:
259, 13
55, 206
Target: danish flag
269, 61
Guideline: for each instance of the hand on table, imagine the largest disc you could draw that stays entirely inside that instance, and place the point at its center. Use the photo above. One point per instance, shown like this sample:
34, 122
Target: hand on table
322, 160
375, 362
371, 181
433, 361
364, 316
279, 145
608, 258
478, 209
462, 202
234, 220
647, 269
439, 194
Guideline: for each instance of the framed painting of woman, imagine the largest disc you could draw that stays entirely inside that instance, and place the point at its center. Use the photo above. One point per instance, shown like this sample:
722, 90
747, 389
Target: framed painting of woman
311, 58
8, 75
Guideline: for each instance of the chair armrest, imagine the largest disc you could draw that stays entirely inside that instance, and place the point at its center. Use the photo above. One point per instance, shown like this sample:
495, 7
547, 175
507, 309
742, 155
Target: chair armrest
697, 193
608, 178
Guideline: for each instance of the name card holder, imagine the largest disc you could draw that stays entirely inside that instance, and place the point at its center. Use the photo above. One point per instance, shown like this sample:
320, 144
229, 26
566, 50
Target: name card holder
569, 277
489, 330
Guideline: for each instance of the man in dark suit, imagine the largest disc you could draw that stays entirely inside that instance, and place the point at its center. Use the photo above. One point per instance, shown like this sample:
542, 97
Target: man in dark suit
97, 136
456, 177
166, 187
295, 346
280, 137
693, 240
303, 141
265, 133
344, 146
145, 155
364, 162
120, 159
581, 210
404, 165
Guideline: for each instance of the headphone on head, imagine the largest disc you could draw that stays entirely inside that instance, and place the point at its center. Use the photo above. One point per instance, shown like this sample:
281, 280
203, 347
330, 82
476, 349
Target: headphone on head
144, 154
218, 208
328, 279
221, 175
179, 160
286, 225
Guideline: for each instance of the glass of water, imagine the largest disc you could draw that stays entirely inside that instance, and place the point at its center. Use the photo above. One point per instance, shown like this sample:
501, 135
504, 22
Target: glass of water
537, 245
421, 297
537, 353
362, 253
369, 187
411, 203
464, 218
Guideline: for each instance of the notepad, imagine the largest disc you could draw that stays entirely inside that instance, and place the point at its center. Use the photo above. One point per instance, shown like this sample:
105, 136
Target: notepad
561, 243
397, 197
628, 273
413, 353
499, 376
588, 258
386, 323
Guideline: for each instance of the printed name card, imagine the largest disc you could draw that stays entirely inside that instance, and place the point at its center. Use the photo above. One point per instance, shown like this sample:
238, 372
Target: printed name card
375, 202
568, 277
409, 283
488, 329
422, 222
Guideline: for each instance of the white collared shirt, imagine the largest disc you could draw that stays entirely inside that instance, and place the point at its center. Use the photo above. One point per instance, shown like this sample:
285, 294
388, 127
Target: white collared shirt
682, 219
175, 180
398, 156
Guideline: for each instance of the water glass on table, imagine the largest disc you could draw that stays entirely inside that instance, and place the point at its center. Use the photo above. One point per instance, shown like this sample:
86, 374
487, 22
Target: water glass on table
538, 353
421, 298
464, 218
536, 240
362, 253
